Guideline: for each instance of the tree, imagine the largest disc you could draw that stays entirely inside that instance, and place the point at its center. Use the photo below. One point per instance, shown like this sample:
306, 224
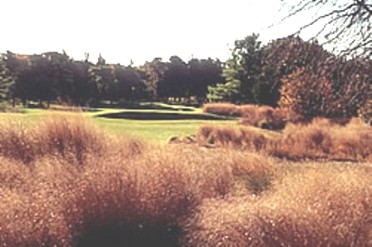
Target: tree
338, 91
344, 23
203, 73
283, 56
316, 82
101, 79
244, 78
61, 76
129, 84
84, 88
175, 79
153, 73
36, 82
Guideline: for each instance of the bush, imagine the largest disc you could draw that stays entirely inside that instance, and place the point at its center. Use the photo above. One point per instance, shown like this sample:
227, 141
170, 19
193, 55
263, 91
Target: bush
225, 109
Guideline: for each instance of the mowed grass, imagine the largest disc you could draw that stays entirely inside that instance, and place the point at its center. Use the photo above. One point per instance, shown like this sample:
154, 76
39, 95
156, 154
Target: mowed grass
155, 131
149, 130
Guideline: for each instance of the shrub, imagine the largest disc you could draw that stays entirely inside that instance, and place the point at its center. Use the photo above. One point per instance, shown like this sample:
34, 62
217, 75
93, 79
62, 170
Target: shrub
225, 109
267, 117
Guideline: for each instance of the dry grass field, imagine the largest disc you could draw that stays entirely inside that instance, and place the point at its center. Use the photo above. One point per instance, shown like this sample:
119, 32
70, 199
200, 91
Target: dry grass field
65, 182
319, 139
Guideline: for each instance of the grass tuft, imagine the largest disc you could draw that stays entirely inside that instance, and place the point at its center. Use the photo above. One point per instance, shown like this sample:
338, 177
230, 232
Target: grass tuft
326, 207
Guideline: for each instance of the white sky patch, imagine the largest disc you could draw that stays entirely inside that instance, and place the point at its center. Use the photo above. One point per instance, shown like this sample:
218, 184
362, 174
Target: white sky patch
140, 30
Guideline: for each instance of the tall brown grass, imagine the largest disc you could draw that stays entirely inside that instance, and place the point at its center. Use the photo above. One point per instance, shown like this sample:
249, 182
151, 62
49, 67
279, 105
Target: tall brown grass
231, 136
320, 139
77, 183
81, 187
323, 139
259, 116
225, 109
56, 135
323, 207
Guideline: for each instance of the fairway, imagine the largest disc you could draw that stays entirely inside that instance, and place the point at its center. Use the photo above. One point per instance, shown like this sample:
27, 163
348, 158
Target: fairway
155, 130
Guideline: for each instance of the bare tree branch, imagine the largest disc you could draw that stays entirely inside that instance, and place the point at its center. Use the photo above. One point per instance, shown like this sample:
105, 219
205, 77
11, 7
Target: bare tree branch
347, 24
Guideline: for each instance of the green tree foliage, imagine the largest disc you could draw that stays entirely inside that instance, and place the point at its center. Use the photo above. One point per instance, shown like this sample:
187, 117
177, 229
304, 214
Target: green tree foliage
61, 75
153, 73
175, 79
36, 82
203, 73
55, 77
129, 84
84, 89
102, 79
245, 81
178, 79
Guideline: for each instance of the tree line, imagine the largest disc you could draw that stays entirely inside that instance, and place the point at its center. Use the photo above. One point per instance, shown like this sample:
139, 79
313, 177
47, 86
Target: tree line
287, 72
55, 77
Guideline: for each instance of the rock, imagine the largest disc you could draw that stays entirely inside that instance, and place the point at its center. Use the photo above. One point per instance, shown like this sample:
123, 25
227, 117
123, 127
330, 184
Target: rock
174, 140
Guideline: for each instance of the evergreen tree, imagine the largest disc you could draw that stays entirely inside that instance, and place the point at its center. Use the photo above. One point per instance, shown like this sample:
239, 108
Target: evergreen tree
243, 74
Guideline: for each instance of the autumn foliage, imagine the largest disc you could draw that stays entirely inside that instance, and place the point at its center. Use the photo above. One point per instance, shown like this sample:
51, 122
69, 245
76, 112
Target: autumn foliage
333, 89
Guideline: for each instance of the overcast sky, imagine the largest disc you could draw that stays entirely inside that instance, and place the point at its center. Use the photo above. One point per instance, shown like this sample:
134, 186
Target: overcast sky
140, 30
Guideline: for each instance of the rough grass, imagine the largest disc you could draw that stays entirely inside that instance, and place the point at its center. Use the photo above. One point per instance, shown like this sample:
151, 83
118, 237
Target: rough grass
225, 109
320, 139
323, 139
230, 136
70, 136
76, 186
323, 207
73, 185
265, 117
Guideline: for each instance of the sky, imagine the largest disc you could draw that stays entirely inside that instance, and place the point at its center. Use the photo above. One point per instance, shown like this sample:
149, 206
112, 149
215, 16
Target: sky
139, 30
